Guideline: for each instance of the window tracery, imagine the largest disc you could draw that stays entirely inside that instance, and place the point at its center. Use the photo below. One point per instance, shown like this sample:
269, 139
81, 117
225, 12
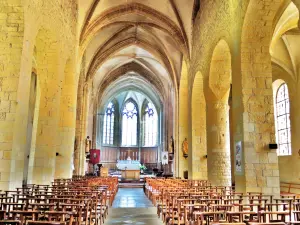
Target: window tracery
283, 121
129, 124
150, 126
108, 125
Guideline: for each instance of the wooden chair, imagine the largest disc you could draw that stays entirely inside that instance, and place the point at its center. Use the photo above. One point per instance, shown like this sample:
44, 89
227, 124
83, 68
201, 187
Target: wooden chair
9, 222
61, 216
275, 223
22, 216
2, 214
45, 223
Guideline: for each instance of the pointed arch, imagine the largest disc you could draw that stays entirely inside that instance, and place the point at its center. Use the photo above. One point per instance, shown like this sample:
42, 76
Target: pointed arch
109, 123
282, 117
130, 123
150, 124
198, 125
220, 70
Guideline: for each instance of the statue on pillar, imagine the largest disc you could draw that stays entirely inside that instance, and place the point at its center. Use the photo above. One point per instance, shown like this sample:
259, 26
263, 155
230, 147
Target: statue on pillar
88, 144
171, 145
185, 148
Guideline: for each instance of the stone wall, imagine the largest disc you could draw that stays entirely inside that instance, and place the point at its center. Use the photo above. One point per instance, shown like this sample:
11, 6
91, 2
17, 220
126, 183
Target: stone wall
11, 36
36, 36
253, 122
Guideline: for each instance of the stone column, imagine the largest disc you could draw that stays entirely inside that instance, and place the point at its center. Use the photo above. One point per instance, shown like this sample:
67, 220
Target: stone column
218, 143
50, 73
197, 135
67, 123
183, 122
11, 151
42, 166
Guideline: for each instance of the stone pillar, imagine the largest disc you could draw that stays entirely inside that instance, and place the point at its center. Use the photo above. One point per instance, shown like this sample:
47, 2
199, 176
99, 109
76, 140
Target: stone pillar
261, 172
84, 127
79, 155
12, 33
42, 169
65, 159
218, 143
183, 120
50, 72
197, 134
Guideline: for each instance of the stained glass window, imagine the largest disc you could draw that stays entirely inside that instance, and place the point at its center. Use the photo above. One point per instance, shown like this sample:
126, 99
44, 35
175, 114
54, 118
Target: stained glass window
108, 124
129, 124
150, 126
283, 121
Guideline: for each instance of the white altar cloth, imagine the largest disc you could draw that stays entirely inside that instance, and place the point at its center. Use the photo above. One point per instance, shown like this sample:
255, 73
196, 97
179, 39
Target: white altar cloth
128, 165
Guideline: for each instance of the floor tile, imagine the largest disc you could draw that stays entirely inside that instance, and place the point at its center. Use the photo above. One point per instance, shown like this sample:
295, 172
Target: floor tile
131, 206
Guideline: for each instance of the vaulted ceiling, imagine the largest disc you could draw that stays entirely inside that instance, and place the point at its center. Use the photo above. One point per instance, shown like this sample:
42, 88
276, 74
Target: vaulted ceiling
139, 35
285, 41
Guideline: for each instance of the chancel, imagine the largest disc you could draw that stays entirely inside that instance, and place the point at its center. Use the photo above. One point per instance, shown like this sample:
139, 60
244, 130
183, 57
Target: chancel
110, 110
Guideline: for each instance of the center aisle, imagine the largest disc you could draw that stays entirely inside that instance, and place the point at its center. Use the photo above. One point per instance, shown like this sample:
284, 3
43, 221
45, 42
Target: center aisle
131, 206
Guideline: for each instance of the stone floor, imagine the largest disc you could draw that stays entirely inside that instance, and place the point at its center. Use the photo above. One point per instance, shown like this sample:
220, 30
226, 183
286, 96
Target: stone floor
131, 198
131, 206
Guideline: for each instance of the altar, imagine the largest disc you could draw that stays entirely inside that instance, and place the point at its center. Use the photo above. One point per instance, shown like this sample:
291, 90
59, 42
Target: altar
130, 169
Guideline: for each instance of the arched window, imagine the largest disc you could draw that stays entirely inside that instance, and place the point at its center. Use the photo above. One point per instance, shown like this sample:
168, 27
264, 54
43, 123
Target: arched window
283, 126
150, 126
129, 124
108, 124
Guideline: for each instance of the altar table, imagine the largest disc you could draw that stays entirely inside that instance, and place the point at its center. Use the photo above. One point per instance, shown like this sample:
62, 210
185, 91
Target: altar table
128, 165
131, 174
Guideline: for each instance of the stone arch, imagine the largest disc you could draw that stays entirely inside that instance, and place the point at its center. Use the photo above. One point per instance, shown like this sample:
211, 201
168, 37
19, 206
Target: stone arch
126, 83
220, 71
217, 119
44, 141
198, 156
182, 163
140, 70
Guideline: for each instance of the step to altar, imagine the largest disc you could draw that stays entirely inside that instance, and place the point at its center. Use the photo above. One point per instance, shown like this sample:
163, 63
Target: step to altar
131, 185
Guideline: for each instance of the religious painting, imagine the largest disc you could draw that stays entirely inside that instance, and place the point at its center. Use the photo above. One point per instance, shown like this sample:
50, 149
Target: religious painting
94, 156
238, 157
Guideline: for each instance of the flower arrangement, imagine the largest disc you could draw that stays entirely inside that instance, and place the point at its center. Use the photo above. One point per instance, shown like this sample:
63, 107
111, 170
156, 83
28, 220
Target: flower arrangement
143, 167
